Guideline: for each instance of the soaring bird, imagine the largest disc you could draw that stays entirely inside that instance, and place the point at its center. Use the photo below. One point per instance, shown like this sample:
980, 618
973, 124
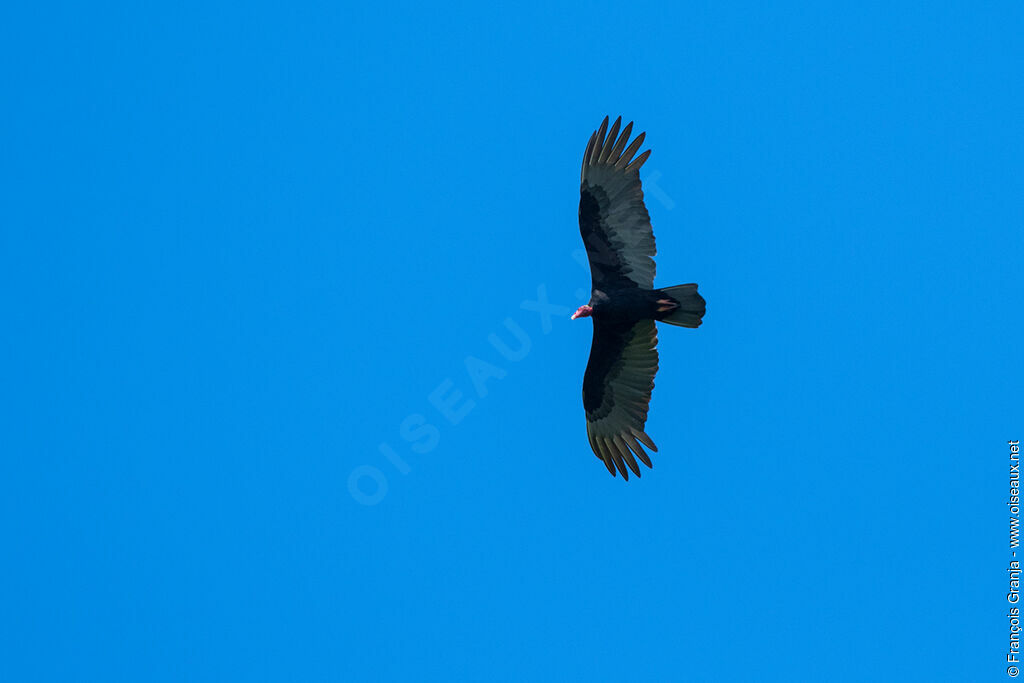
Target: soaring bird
624, 304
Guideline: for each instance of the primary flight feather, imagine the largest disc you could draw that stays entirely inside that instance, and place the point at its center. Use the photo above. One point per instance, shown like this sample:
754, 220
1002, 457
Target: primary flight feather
624, 304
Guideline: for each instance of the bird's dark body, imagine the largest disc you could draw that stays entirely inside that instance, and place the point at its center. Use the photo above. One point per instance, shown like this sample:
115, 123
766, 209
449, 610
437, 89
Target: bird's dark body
627, 306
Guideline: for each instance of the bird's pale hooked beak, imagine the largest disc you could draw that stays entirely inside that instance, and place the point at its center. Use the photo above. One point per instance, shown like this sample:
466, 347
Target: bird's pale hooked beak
582, 312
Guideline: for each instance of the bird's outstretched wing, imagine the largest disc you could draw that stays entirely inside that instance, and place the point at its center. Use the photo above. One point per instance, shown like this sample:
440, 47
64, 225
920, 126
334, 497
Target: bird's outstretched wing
617, 392
614, 223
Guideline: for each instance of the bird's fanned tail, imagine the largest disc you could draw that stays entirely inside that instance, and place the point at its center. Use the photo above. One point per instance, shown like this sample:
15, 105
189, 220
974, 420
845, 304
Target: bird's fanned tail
691, 306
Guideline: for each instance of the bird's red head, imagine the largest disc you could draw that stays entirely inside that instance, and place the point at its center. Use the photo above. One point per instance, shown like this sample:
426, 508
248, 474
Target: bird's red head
582, 312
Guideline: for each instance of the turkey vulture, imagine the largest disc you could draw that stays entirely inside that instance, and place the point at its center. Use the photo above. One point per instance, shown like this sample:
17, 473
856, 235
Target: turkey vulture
624, 304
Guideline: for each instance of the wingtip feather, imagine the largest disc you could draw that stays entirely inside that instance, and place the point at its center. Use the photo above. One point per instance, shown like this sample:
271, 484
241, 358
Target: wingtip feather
644, 439
627, 455
635, 166
613, 158
609, 446
599, 142
627, 155
640, 452
610, 141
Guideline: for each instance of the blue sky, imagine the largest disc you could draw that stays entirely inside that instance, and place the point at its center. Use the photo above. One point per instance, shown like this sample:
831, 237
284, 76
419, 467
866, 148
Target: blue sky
249, 252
